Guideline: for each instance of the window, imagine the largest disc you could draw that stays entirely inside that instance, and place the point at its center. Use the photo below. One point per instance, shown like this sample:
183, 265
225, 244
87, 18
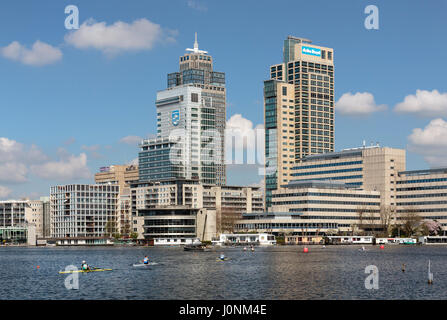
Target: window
194, 97
284, 91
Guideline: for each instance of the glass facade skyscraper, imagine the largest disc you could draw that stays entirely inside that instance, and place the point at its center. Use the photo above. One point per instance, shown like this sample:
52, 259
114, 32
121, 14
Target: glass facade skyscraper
192, 109
298, 109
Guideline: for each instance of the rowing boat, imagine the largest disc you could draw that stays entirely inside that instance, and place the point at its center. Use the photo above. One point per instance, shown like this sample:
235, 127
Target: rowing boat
145, 265
79, 271
225, 259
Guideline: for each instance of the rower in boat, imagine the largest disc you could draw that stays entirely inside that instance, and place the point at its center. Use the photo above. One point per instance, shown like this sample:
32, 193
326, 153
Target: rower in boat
146, 260
222, 257
85, 266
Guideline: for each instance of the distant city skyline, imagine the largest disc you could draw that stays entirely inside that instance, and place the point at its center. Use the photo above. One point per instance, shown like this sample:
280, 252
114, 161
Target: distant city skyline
72, 103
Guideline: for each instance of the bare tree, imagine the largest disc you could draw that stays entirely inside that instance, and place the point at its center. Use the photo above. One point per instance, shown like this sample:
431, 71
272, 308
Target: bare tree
411, 221
387, 214
361, 213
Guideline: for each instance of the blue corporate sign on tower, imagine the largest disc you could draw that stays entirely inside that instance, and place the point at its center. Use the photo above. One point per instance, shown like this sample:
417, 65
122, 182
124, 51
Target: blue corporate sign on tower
175, 117
311, 51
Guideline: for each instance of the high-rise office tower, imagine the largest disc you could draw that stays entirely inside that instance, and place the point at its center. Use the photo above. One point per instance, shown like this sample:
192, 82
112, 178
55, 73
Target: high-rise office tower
193, 109
298, 109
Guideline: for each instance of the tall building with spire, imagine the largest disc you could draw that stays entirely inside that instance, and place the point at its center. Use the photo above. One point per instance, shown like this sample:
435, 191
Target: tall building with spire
298, 109
191, 115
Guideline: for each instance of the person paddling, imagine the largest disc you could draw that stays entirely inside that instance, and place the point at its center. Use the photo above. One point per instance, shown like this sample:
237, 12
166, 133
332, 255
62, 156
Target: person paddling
222, 256
85, 266
146, 260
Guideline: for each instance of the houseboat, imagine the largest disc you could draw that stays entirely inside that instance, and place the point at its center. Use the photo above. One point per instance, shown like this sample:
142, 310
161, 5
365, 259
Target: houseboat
396, 241
176, 241
350, 240
433, 240
244, 239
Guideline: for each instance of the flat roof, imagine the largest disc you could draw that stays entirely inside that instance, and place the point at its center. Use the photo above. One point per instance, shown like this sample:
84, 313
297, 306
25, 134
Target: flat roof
423, 172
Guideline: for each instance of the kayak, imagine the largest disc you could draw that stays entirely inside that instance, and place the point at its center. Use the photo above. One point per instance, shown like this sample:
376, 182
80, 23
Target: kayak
225, 259
145, 265
78, 271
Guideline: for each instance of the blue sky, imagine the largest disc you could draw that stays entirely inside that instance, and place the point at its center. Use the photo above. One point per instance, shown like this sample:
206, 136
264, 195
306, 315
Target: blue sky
85, 100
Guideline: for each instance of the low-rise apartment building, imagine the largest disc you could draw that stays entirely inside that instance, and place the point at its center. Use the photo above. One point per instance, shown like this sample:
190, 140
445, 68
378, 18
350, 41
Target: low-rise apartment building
83, 210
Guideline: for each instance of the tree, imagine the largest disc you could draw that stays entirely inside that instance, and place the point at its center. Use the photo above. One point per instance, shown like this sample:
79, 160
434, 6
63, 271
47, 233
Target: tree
387, 215
411, 221
110, 228
134, 235
431, 228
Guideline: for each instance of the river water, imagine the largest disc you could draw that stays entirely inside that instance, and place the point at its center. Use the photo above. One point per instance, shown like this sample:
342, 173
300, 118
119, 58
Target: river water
279, 272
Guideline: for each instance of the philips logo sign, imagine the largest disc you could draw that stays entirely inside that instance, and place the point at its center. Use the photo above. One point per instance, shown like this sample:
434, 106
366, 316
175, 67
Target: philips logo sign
311, 51
175, 116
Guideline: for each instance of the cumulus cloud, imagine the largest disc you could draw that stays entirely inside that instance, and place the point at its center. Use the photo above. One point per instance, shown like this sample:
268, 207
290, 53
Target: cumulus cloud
40, 53
69, 168
131, 140
242, 137
431, 142
139, 35
13, 172
424, 103
4, 192
358, 104
15, 158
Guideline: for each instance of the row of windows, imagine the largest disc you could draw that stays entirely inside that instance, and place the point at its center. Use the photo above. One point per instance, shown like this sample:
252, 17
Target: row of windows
194, 57
325, 165
325, 172
422, 188
287, 226
154, 230
308, 64
332, 210
421, 203
170, 222
423, 210
324, 194
422, 180
279, 203
425, 195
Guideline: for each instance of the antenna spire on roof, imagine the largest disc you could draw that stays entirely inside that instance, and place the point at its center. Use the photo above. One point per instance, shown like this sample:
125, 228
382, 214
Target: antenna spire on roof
196, 46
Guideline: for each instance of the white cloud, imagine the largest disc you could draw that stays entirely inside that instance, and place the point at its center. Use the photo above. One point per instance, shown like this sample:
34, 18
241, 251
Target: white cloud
424, 103
431, 142
15, 159
13, 172
69, 168
358, 104
4, 192
131, 140
139, 35
40, 53
240, 132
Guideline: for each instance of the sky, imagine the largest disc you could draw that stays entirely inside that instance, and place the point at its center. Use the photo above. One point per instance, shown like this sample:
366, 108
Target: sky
72, 101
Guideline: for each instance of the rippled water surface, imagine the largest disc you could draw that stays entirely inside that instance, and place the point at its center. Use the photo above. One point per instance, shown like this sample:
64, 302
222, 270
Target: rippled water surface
280, 272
